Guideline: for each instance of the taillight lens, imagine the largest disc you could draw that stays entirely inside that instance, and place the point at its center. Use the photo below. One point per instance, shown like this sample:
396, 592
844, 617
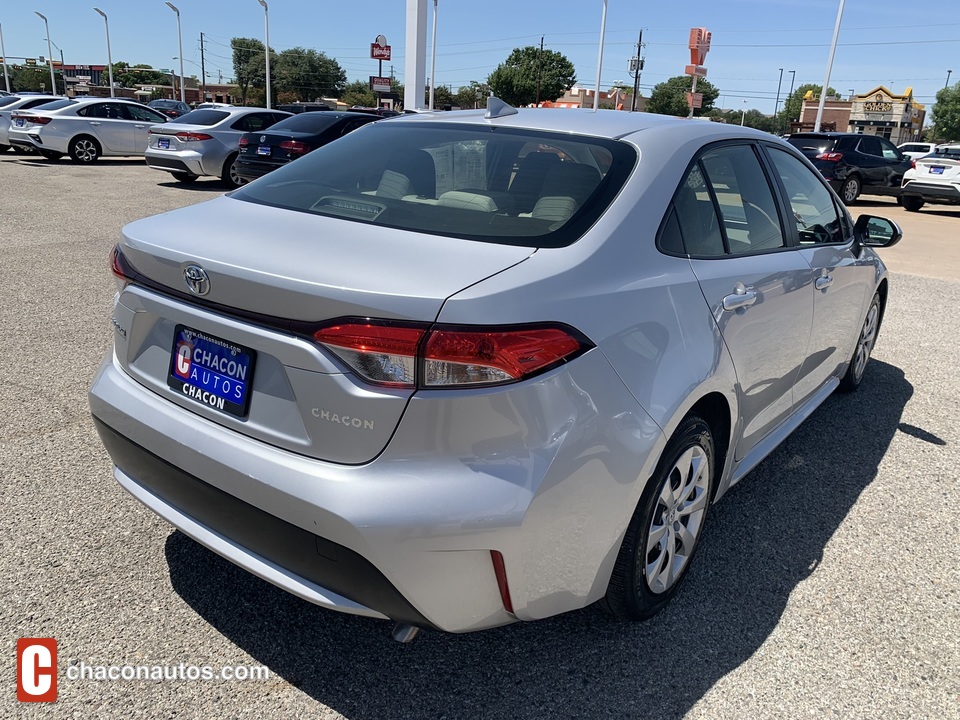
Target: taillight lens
295, 147
120, 268
411, 356
35, 119
192, 136
913, 164
243, 141
830, 156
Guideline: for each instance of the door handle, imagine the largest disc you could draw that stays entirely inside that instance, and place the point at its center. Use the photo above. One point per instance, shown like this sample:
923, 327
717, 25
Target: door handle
139, 126
95, 124
742, 298
823, 282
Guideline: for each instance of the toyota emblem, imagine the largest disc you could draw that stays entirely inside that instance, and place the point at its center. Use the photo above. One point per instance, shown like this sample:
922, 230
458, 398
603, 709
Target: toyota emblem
196, 279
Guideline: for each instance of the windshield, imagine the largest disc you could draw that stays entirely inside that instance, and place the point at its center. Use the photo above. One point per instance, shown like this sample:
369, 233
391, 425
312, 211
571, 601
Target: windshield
478, 182
313, 122
202, 117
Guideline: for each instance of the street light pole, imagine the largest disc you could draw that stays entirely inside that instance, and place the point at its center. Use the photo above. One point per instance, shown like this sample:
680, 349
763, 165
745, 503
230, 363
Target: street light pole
433, 56
109, 59
743, 113
776, 105
53, 83
266, 35
826, 80
945, 85
3, 53
183, 97
603, 30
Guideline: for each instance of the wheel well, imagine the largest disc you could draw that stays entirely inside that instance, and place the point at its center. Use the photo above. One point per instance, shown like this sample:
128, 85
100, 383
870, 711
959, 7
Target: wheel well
715, 411
882, 292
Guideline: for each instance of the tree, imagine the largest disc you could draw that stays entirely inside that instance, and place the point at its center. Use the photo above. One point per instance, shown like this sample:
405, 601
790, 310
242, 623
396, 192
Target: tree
129, 76
32, 78
359, 93
946, 114
249, 64
472, 96
442, 97
793, 105
515, 80
306, 75
670, 97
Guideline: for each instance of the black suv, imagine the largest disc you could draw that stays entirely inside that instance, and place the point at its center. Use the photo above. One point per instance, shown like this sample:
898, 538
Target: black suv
854, 163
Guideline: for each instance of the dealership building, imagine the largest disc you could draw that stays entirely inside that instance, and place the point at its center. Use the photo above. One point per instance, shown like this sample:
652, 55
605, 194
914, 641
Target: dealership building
899, 118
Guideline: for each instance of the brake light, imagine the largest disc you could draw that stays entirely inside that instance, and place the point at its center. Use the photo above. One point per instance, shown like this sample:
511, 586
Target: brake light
410, 356
243, 141
913, 164
295, 147
122, 272
191, 136
35, 119
830, 156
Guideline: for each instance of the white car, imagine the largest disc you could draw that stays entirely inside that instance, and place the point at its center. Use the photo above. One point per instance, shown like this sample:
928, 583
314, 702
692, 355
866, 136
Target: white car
914, 150
84, 128
10, 103
206, 142
935, 178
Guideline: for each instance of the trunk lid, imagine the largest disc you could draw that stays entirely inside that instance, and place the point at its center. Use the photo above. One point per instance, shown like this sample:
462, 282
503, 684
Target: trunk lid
300, 268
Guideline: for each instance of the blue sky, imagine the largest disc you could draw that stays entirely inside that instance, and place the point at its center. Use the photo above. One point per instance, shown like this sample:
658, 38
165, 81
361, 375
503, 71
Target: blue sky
881, 42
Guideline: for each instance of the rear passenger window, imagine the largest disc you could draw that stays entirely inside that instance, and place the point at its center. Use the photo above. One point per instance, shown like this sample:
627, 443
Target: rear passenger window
745, 200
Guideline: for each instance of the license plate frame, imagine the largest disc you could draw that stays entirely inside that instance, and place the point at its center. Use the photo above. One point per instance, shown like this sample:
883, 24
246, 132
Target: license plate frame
263, 150
936, 170
163, 143
211, 371
19, 122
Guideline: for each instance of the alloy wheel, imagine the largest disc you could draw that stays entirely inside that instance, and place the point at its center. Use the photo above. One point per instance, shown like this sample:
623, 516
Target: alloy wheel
85, 150
865, 344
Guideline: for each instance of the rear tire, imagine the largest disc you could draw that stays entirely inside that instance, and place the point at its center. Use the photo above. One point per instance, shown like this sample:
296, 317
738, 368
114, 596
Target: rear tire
184, 177
666, 527
229, 175
865, 342
911, 203
84, 150
850, 190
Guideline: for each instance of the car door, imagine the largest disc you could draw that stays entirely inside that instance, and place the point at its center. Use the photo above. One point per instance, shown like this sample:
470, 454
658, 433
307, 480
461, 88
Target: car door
824, 235
873, 166
108, 123
143, 118
757, 286
896, 163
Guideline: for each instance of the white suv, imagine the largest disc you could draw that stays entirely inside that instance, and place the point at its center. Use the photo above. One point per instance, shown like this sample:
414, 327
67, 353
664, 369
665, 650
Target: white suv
935, 178
914, 150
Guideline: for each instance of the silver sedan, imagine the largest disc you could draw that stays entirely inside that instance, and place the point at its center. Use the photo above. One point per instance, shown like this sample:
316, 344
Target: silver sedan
206, 142
467, 368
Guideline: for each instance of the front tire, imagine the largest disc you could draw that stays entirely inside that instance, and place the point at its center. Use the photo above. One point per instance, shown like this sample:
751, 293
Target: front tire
229, 176
666, 527
850, 190
861, 353
84, 150
911, 203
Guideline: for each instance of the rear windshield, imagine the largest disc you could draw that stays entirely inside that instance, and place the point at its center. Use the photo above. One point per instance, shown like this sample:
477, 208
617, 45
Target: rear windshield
306, 123
54, 105
490, 184
811, 145
950, 153
202, 117
7, 100
915, 148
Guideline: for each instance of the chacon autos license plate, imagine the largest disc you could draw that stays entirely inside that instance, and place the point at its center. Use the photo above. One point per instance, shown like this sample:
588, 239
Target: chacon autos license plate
163, 143
211, 371
263, 150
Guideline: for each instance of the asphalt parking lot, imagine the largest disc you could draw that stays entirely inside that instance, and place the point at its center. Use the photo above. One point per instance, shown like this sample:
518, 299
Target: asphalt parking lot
828, 584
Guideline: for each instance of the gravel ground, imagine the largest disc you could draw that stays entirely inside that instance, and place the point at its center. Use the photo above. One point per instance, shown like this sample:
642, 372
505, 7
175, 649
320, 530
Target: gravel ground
828, 584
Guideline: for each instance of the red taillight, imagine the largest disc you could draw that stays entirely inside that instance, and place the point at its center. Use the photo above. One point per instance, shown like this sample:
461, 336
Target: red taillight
830, 156
295, 147
35, 119
120, 268
191, 136
913, 164
413, 356
243, 141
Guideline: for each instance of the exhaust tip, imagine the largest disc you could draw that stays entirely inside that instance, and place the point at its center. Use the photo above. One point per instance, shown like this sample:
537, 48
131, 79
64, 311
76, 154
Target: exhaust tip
405, 633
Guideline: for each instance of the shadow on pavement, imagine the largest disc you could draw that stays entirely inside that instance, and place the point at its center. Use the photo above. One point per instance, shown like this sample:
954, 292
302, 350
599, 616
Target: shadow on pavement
764, 538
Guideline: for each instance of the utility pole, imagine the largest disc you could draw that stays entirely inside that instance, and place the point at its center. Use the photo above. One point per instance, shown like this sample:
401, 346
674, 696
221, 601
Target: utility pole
203, 73
539, 68
776, 105
637, 69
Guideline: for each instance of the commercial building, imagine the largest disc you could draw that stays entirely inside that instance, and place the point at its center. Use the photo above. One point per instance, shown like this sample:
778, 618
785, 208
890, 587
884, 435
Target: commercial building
899, 118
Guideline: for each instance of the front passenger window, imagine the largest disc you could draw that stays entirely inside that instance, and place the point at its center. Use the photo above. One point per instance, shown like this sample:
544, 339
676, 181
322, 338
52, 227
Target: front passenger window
811, 204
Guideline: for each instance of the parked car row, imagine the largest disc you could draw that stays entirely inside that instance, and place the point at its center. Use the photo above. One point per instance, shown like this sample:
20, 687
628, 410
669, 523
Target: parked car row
197, 143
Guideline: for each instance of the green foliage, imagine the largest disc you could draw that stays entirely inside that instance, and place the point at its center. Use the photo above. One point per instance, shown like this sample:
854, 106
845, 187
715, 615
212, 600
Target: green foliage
793, 105
33, 78
442, 97
306, 75
946, 114
129, 76
249, 65
670, 97
751, 118
515, 80
359, 93
472, 96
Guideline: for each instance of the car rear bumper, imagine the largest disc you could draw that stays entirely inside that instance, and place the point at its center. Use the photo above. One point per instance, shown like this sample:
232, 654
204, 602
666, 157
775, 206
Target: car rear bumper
253, 170
547, 473
948, 193
186, 161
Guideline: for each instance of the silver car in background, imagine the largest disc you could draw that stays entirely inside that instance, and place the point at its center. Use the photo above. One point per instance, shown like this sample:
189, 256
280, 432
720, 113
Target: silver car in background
206, 142
466, 368
11, 103
86, 129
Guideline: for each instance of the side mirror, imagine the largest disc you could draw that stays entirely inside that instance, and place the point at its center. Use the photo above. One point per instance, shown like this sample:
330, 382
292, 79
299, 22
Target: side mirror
875, 231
